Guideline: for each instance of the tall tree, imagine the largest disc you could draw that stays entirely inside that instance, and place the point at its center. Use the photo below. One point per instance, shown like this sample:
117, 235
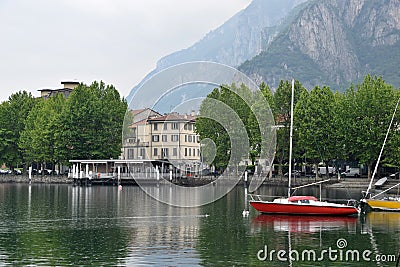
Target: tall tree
315, 122
372, 105
14, 112
281, 110
38, 138
250, 107
91, 123
265, 118
393, 148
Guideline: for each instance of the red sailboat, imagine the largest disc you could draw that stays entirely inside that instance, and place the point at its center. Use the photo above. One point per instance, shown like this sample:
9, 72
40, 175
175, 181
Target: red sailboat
300, 205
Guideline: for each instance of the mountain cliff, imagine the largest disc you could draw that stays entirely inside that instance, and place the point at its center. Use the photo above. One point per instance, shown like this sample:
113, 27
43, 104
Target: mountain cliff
240, 38
335, 43
319, 42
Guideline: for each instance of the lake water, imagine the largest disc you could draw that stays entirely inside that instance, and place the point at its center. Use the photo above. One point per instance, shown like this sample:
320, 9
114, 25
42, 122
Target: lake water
60, 225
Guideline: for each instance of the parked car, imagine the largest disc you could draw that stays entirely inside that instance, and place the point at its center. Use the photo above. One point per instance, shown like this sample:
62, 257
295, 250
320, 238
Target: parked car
322, 170
45, 172
352, 172
395, 175
2, 171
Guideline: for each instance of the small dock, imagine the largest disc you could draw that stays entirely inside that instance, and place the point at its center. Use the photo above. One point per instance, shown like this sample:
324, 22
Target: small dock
131, 172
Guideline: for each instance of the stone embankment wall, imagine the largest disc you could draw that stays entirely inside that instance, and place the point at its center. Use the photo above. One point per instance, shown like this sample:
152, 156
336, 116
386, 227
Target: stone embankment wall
60, 179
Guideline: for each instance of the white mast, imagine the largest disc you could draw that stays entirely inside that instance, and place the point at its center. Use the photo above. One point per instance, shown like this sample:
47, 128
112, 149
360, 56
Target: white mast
380, 154
291, 138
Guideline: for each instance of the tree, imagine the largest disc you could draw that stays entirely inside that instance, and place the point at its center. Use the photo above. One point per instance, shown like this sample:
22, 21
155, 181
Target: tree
13, 114
372, 106
91, 123
392, 148
39, 136
261, 114
315, 122
231, 117
281, 110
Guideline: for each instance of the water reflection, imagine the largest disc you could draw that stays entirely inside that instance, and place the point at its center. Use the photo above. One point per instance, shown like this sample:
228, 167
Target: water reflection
102, 226
305, 224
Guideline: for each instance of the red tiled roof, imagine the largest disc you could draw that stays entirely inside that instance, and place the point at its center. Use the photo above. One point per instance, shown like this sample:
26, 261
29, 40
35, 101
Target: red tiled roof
174, 117
142, 122
138, 111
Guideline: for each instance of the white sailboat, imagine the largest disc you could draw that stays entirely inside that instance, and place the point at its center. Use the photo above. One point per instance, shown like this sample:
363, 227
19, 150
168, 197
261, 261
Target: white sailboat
299, 205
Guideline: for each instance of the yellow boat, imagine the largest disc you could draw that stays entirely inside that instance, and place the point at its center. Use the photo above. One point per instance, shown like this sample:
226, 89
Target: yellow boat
385, 203
391, 204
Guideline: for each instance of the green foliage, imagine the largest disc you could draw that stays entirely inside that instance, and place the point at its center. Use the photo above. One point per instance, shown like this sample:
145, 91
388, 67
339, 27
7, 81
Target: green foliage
220, 115
315, 122
38, 139
371, 108
91, 123
328, 126
282, 100
87, 125
13, 114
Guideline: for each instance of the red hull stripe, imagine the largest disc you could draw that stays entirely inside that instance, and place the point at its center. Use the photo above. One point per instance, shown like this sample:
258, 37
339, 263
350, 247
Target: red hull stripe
302, 209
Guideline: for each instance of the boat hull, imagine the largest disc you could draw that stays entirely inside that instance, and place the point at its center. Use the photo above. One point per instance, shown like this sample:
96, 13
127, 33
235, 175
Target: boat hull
383, 205
302, 209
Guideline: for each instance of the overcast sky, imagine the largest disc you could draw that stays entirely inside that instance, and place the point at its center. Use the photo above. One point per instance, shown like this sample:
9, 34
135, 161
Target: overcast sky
44, 42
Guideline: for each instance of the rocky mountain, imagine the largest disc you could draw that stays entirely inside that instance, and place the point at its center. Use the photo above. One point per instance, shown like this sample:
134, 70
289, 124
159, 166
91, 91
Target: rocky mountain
241, 38
319, 42
333, 42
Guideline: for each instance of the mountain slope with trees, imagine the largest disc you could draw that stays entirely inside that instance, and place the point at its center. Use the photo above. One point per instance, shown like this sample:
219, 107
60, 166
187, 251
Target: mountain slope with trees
335, 43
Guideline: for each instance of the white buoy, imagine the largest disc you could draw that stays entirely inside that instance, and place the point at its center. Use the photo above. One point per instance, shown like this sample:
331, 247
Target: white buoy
119, 175
30, 174
245, 213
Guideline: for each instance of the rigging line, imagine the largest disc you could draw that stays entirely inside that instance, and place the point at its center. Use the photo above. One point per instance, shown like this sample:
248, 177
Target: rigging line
383, 145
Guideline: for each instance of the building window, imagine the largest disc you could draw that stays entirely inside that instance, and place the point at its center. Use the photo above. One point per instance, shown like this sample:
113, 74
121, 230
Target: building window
190, 138
194, 152
190, 152
164, 138
165, 126
164, 152
185, 126
185, 152
175, 126
198, 139
155, 127
143, 153
175, 152
155, 138
131, 153
189, 127
174, 138
185, 137
155, 152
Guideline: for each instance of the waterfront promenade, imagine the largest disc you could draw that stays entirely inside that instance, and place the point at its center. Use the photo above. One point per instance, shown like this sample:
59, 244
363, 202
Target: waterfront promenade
194, 181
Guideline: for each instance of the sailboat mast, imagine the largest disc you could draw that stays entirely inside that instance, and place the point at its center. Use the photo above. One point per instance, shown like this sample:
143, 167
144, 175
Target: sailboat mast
380, 154
291, 139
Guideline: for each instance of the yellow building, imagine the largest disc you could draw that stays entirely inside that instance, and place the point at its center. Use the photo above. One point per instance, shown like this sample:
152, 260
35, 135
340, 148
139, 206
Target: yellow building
167, 138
